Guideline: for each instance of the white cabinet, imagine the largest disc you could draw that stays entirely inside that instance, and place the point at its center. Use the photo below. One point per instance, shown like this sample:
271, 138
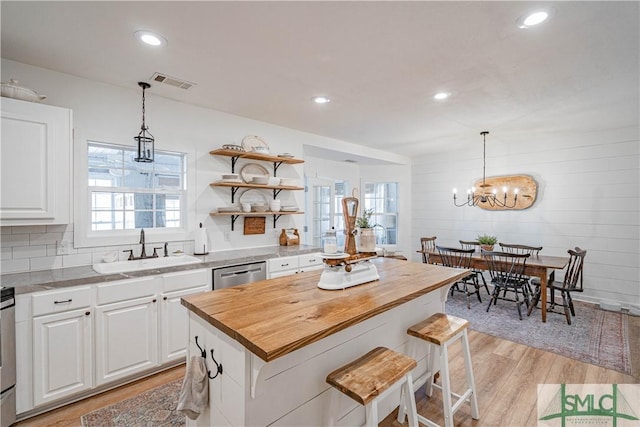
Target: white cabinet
62, 346
126, 331
309, 262
35, 162
283, 266
174, 317
286, 266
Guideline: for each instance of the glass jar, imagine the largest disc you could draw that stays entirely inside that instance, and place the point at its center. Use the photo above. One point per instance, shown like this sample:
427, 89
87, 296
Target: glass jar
329, 242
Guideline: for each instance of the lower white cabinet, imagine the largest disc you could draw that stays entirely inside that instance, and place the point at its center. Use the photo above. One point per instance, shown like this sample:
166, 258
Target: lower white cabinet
174, 319
80, 338
62, 355
126, 338
287, 266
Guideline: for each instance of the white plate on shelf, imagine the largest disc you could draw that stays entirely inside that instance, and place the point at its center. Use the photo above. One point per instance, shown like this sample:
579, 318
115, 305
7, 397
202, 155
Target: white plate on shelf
255, 143
334, 256
251, 170
233, 181
253, 196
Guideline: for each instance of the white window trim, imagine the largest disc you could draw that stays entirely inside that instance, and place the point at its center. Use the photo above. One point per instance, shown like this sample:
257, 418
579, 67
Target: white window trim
84, 237
363, 183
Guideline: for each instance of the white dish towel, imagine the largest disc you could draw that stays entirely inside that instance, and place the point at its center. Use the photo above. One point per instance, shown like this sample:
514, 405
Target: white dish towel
194, 395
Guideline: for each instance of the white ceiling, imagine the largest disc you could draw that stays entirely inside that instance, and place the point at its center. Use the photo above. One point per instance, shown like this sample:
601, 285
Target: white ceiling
380, 62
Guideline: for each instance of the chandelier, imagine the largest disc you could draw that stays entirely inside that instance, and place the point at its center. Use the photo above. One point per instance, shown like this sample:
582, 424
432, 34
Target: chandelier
144, 139
485, 195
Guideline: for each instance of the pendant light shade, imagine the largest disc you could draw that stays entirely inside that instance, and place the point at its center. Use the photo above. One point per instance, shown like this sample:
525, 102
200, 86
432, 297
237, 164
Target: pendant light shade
145, 140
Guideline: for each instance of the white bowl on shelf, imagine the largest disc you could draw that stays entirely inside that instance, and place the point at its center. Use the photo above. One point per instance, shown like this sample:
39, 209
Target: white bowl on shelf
260, 180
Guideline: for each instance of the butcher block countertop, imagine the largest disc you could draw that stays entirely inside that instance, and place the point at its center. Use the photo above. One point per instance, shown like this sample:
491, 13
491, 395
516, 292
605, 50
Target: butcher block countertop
272, 318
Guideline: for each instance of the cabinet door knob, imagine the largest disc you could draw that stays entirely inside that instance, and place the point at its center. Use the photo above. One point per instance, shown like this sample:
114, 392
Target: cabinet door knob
165, 298
154, 300
87, 313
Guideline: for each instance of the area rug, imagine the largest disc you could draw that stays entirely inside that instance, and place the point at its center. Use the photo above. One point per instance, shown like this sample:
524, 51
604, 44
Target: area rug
595, 336
153, 408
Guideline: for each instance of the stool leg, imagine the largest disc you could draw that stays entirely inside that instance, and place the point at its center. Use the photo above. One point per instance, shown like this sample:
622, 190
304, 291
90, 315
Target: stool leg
446, 385
410, 401
402, 408
432, 360
371, 413
475, 414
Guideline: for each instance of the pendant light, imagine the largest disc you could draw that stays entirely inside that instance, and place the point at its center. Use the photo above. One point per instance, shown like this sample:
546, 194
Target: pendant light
146, 150
484, 196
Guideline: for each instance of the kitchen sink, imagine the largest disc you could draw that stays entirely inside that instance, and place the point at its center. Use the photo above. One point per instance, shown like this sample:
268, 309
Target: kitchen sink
143, 264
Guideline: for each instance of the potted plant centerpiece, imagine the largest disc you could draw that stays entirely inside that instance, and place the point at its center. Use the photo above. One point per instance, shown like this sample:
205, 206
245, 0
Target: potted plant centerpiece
367, 240
487, 242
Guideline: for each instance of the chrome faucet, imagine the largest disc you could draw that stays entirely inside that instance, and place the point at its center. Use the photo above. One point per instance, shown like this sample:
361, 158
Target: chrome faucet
143, 254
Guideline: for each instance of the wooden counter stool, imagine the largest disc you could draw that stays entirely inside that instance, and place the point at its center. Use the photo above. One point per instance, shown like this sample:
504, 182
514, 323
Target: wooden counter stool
441, 330
372, 377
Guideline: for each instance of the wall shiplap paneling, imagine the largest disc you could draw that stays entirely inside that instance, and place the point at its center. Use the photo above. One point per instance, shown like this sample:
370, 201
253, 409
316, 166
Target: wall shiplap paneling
589, 196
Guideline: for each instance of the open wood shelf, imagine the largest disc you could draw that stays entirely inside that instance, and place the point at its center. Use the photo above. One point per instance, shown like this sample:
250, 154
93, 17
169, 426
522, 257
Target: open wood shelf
258, 186
235, 215
255, 156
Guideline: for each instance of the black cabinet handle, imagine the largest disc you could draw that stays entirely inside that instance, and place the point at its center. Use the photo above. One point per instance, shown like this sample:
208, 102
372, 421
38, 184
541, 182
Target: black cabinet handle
165, 298
63, 302
87, 313
154, 300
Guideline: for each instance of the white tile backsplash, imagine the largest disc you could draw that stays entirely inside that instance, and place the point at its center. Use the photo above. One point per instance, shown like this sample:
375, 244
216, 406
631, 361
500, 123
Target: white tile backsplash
13, 240
28, 229
14, 266
46, 263
44, 238
29, 251
33, 248
76, 260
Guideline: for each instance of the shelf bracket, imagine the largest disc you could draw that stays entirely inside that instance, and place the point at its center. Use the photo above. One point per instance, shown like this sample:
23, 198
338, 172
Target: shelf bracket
233, 221
275, 219
276, 165
234, 190
276, 192
234, 160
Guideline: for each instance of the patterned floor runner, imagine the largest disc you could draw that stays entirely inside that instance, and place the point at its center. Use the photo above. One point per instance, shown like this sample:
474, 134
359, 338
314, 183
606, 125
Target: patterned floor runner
153, 408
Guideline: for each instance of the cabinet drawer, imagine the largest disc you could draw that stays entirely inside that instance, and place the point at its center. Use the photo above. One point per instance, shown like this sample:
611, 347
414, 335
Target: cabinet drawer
284, 263
60, 300
310, 260
185, 280
127, 289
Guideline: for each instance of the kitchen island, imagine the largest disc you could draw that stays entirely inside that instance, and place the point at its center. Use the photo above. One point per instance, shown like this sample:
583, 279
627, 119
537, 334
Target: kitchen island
278, 339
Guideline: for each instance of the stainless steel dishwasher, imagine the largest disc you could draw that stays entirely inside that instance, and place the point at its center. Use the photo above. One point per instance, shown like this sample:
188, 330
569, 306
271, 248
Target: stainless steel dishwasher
225, 277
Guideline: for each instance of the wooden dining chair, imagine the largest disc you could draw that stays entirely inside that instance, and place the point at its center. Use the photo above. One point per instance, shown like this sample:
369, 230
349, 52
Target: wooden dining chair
460, 258
506, 270
533, 251
475, 245
427, 244
572, 282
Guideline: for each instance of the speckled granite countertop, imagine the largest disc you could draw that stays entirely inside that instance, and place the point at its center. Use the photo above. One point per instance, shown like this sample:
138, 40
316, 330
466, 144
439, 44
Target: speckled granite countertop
35, 281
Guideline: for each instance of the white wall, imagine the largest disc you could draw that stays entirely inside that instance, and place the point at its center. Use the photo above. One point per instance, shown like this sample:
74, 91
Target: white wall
588, 196
112, 114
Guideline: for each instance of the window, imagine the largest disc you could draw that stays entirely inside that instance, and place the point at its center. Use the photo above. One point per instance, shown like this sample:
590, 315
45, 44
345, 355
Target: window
125, 194
382, 197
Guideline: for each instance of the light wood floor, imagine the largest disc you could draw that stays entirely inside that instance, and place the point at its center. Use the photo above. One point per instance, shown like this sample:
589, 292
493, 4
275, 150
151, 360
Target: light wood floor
506, 374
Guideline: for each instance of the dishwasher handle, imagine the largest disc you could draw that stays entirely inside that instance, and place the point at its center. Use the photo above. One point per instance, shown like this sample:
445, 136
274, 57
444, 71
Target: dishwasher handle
238, 273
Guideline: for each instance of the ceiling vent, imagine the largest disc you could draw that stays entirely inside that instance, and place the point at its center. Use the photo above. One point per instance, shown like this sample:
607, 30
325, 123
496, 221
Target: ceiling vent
171, 81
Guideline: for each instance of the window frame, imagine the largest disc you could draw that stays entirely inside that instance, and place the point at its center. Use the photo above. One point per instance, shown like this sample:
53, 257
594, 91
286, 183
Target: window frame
85, 237
396, 214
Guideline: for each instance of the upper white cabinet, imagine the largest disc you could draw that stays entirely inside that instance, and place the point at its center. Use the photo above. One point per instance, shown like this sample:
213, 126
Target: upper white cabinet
35, 163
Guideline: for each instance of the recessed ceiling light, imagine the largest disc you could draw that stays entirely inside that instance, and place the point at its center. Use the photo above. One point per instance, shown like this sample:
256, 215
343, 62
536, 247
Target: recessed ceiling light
441, 95
533, 18
151, 38
321, 99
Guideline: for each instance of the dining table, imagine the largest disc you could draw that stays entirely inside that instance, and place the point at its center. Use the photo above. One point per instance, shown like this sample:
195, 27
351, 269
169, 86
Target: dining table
540, 266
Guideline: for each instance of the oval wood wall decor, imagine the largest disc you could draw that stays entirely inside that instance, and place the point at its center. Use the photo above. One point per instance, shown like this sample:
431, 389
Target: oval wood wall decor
526, 185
